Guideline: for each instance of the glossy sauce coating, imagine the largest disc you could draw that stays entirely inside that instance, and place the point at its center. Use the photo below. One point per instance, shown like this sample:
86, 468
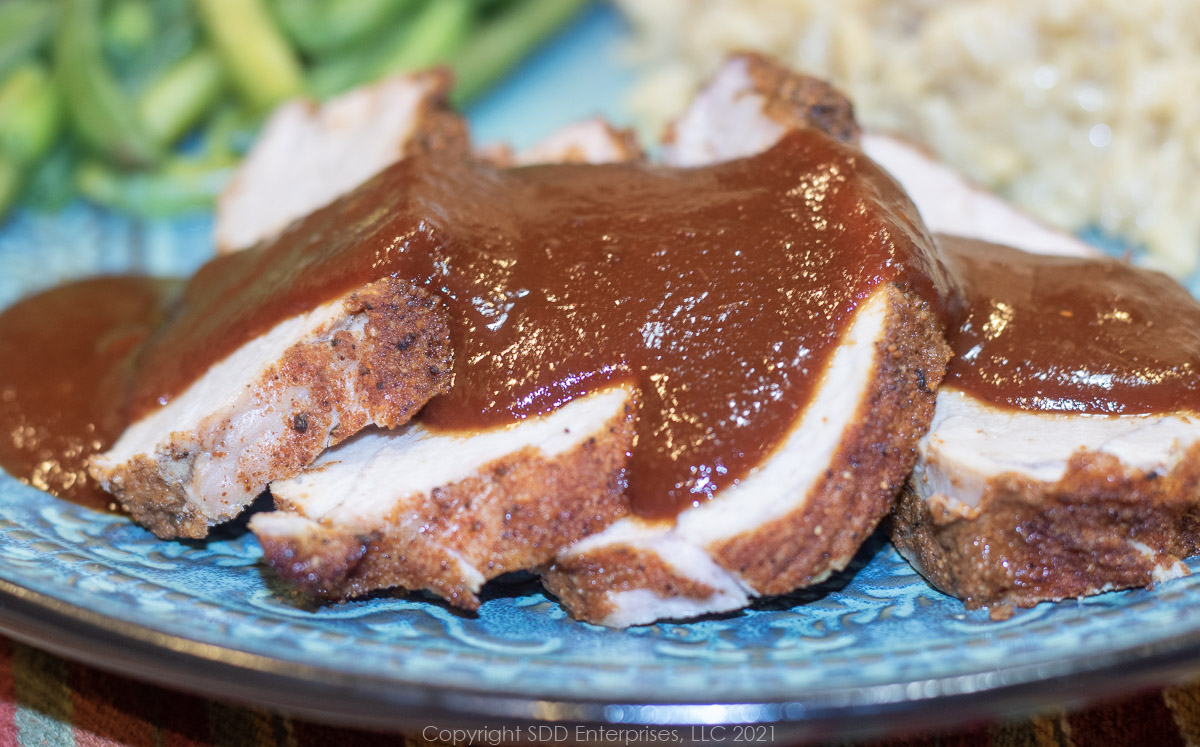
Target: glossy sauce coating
718, 293
1067, 334
65, 360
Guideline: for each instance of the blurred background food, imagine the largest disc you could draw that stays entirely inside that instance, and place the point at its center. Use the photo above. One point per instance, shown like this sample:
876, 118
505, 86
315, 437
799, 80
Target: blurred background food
1085, 112
146, 105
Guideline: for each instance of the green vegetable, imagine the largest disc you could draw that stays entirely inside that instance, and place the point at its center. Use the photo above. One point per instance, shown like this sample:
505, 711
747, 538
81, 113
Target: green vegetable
504, 41
30, 114
25, 26
181, 97
51, 184
137, 62
128, 79
10, 183
437, 31
431, 37
262, 66
100, 112
128, 28
229, 133
181, 185
320, 27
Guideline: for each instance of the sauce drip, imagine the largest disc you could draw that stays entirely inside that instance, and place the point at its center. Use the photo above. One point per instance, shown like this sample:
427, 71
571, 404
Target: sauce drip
65, 361
1068, 334
718, 292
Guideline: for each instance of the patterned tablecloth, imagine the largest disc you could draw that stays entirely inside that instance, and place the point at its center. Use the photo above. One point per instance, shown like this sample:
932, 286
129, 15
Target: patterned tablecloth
46, 700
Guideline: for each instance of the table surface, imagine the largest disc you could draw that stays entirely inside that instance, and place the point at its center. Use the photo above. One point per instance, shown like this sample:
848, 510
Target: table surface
45, 700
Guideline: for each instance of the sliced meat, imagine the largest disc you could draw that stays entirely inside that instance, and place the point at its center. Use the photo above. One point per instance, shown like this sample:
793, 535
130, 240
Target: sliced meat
1017, 507
752, 101
803, 514
309, 154
747, 106
1005, 507
1014, 508
590, 141
420, 509
795, 519
798, 517
950, 204
445, 512
267, 410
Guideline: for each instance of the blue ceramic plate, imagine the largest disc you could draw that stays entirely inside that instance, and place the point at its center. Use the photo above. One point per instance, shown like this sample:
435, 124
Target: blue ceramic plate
874, 650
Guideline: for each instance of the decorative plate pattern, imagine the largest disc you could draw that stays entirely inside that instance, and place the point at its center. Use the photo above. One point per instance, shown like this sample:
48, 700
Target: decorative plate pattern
873, 640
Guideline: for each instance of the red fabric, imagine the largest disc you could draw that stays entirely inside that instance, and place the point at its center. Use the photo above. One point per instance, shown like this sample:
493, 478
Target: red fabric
107, 710
8, 695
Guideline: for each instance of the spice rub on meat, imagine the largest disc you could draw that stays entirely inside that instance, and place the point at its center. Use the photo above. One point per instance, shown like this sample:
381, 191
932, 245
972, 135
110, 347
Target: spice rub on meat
770, 525
374, 355
1009, 506
1062, 459
271, 406
420, 508
668, 388
803, 512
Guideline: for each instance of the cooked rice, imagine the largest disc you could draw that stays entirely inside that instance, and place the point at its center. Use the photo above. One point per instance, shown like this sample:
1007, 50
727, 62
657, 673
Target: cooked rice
1085, 112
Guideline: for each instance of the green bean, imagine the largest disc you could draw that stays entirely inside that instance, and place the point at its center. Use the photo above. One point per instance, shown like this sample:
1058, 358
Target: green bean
10, 183
504, 41
30, 114
228, 133
180, 185
51, 183
262, 66
138, 63
128, 28
430, 37
435, 34
339, 73
100, 112
181, 96
25, 26
320, 27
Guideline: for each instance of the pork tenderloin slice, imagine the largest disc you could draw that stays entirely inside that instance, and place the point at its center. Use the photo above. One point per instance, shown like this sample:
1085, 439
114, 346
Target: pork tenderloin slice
1004, 507
268, 409
1011, 508
445, 512
747, 106
421, 509
1014, 508
589, 141
949, 203
752, 101
798, 517
802, 514
308, 154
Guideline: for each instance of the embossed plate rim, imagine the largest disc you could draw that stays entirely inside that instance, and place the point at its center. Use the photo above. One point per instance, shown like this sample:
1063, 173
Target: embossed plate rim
395, 703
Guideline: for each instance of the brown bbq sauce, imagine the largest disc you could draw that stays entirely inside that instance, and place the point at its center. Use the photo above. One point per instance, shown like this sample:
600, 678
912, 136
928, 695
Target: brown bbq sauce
1069, 334
718, 292
65, 363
